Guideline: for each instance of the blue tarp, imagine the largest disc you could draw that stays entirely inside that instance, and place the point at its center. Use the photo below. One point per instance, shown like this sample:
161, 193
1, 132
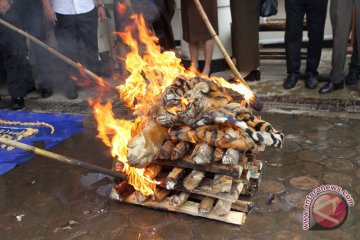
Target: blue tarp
66, 125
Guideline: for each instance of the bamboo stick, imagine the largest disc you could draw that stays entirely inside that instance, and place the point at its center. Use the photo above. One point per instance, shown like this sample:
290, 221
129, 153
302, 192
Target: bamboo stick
62, 158
219, 44
57, 54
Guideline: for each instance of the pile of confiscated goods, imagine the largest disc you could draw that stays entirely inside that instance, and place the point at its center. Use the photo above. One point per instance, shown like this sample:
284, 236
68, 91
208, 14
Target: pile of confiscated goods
201, 148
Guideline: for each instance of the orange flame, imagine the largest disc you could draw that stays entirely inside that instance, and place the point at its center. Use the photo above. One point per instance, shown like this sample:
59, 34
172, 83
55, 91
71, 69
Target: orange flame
151, 72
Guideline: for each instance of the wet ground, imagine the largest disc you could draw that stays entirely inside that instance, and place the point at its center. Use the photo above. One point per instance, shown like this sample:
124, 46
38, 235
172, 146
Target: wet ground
43, 199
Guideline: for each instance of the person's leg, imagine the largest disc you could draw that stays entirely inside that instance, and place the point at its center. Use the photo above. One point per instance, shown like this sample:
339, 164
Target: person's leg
17, 67
315, 15
208, 52
341, 17
194, 54
245, 34
31, 14
66, 35
354, 66
87, 25
162, 25
295, 11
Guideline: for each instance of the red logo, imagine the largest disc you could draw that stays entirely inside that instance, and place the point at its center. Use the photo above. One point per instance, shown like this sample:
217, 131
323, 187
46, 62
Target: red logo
329, 210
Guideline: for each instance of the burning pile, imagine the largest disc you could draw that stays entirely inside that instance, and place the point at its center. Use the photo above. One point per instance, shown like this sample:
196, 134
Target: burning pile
201, 144
190, 141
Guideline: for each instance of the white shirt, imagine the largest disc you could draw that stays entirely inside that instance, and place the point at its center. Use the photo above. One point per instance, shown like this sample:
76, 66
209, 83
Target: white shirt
72, 7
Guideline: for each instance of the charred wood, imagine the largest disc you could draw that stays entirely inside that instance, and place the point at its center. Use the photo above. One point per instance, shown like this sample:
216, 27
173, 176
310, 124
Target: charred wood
206, 204
180, 150
193, 179
178, 199
202, 153
222, 183
173, 177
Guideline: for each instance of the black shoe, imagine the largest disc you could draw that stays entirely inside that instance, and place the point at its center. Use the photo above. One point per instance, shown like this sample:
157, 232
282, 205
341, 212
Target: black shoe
17, 103
253, 75
291, 80
352, 78
45, 92
311, 80
72, 94
330, 87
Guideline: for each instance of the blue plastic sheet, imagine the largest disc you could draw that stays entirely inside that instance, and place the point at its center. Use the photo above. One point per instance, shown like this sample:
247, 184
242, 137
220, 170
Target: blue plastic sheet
66, 125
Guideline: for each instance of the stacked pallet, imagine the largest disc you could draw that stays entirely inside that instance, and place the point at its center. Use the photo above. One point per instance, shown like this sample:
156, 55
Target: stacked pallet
198, 180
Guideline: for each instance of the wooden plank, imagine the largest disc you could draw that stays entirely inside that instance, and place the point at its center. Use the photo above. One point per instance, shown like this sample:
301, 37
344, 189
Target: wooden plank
205, 189
242, 206
191, 208
229, 170
173, 177
222, 207
193, 179
222, 183
206, 204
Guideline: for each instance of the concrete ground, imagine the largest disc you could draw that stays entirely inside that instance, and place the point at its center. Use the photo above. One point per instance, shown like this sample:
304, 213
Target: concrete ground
43, 199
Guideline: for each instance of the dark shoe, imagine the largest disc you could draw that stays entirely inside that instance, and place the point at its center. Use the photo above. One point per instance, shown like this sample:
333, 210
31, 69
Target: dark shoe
330, 87
72, 94
352, 78
253, 75
17, 103
45, 93
291, 81
311, 80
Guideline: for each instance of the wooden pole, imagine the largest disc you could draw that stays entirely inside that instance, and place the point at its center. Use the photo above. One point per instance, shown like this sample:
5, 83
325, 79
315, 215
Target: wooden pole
219, 44
55, 53
61, 158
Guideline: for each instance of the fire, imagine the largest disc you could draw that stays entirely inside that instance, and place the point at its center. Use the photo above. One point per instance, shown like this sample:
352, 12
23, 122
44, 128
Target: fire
116, 133
150, 73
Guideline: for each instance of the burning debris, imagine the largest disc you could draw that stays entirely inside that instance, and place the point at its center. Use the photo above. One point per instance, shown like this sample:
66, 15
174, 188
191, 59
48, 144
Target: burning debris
199, 146
191, 148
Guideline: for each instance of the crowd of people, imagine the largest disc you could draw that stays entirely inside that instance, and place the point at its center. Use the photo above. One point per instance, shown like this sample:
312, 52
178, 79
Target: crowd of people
75, 24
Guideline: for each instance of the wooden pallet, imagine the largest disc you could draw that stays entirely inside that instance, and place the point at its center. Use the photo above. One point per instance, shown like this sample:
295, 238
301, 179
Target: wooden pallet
229, 207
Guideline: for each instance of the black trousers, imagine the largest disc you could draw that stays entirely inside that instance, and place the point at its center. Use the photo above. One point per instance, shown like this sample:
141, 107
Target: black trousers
315, 11
77, 39
16, 70
162, 25
31, 18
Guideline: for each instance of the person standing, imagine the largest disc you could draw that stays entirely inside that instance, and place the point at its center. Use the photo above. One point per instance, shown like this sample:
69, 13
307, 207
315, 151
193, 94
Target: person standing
13, 57
315, 11
30, 14
75, 26
245, 37
196, 33
341, 21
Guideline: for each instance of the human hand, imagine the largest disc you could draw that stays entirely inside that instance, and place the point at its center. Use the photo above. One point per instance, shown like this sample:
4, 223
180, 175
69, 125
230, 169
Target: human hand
4, 6
49, 14
101, 13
